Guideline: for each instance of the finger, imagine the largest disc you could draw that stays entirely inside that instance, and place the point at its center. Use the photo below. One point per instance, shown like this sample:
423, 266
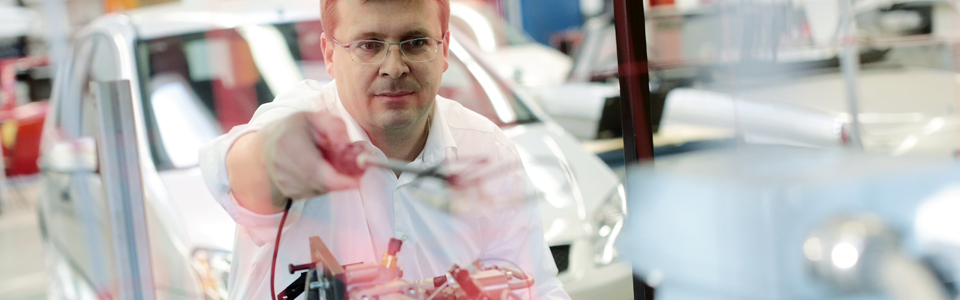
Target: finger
332, 179
293, 159
330, 131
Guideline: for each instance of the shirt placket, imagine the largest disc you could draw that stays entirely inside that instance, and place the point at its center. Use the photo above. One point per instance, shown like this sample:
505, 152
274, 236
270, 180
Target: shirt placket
403, 230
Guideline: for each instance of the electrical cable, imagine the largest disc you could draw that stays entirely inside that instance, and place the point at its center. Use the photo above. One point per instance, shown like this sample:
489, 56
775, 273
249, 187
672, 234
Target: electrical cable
527, 277
276, 246
439, 289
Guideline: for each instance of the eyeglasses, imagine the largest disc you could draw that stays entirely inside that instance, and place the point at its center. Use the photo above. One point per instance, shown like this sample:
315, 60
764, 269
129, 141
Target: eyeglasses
373, 52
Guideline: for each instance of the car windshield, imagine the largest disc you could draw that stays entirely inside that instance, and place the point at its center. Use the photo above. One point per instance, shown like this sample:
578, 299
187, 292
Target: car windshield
477, 21
197, 86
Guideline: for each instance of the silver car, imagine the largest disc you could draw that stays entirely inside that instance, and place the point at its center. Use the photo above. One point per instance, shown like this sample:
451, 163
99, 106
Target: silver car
195, 71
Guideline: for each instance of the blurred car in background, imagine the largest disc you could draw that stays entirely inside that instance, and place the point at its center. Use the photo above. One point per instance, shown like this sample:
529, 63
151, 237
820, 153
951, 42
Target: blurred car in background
518, 56
540, 70
197, 70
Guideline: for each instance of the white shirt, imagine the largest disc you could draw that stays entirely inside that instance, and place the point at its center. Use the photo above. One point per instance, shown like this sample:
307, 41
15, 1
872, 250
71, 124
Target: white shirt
357, 224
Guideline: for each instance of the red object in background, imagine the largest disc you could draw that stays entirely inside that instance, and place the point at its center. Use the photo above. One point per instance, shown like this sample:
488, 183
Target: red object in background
21, 157
309, 33
234, 91
661, 2
20, 126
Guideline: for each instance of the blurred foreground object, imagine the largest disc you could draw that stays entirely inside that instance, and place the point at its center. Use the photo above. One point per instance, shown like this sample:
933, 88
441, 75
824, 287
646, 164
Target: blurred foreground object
794, 223
325, 278
904, 111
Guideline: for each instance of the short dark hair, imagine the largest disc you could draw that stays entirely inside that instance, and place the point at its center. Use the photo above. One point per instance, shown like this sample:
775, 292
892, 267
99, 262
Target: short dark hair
328, 14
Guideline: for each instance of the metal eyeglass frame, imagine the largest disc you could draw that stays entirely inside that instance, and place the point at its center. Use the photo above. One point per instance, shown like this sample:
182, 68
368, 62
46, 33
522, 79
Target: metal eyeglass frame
389, 45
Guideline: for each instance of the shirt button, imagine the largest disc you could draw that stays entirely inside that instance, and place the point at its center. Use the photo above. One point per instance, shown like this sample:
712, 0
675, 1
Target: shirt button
403, 237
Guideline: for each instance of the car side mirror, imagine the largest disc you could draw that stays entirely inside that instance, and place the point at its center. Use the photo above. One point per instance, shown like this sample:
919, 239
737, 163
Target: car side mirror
72, 156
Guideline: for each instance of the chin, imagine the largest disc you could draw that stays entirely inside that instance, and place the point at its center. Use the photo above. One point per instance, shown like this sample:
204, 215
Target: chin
398, 119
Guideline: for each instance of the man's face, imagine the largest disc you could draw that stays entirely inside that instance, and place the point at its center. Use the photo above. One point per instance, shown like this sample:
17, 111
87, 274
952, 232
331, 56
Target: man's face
395, 93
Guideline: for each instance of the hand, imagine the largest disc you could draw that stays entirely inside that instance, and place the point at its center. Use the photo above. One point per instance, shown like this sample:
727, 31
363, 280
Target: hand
293, 151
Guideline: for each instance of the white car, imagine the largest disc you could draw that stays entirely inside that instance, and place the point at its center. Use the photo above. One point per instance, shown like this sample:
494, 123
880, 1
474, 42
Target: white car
576, 105
198, 69
518, 56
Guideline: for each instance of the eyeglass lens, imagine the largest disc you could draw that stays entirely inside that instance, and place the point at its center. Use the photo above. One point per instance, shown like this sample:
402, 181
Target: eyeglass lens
415, 50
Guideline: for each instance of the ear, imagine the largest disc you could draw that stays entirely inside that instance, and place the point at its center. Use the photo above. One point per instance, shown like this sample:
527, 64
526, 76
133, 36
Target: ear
446, 51
327, 48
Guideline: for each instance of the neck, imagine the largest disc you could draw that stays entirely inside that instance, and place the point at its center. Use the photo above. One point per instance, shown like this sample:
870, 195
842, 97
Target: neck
403, 143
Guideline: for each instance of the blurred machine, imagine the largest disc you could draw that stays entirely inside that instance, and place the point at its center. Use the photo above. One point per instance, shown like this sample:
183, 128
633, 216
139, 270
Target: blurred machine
325, 278
795, 223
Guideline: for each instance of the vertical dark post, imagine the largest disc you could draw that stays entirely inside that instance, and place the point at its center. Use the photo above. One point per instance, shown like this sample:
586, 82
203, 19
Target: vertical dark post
634, 80
634, 92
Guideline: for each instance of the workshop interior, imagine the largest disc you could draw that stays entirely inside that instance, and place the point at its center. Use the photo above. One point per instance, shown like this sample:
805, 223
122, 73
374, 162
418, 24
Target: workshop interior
671, 149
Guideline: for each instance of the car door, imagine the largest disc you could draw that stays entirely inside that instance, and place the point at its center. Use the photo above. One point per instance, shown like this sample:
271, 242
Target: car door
79, 226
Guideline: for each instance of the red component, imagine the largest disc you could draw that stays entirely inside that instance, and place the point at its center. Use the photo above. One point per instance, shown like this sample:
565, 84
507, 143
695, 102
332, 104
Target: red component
361, 273
394, 246
844, 136
439, 281
345, 159
466, 284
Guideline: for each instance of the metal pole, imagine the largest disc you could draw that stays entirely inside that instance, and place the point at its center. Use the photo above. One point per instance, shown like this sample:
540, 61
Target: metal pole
850, 68
634, 80
634, 90
56, 20
123, 185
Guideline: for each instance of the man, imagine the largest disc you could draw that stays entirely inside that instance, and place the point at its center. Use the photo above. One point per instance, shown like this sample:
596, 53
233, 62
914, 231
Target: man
387, 58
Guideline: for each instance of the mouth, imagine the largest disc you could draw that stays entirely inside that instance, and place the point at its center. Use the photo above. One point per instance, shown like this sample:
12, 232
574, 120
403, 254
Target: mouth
394, 94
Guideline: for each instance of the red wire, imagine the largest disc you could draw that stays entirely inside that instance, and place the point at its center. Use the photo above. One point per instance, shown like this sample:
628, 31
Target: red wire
276, 246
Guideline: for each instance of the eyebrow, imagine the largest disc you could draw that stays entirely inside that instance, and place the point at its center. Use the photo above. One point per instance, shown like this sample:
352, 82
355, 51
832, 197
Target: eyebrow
415, 33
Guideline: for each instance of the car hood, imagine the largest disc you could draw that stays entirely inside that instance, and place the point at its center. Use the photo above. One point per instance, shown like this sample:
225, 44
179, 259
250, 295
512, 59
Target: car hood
568, 181
576, 99
536, 65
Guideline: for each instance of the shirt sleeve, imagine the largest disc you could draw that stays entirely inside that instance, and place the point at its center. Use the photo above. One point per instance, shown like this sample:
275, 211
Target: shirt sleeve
305, 96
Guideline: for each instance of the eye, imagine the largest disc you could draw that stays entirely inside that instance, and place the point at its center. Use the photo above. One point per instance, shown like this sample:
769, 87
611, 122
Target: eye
369, 45
418, 42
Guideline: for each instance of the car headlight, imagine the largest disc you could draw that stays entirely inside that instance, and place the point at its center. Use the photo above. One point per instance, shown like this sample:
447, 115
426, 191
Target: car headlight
609, 220
214, 269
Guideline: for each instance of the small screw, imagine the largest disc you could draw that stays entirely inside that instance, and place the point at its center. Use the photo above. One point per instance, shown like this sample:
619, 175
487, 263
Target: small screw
323, 284
295, 268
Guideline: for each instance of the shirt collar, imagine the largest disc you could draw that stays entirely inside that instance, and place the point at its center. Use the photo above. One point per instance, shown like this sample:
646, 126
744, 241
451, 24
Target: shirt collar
440, 144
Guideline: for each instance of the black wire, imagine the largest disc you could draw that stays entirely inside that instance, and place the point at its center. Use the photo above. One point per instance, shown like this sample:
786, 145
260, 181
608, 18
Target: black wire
276, 246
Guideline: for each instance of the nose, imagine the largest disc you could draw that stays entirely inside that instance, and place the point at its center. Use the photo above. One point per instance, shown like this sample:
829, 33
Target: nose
393, 65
